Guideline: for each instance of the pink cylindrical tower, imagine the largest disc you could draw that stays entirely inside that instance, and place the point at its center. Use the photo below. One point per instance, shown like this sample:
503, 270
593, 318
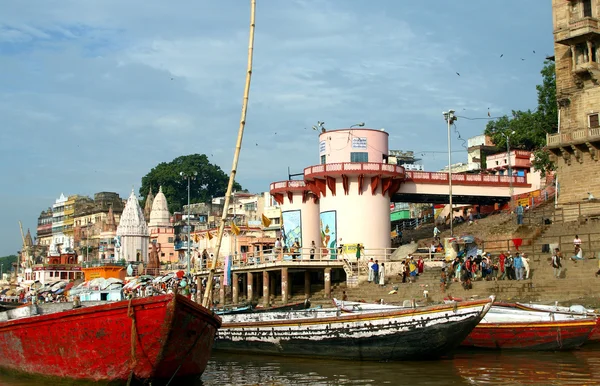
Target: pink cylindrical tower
354, 183
300, 213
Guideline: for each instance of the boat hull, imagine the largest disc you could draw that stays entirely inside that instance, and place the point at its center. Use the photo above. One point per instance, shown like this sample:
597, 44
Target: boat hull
415, 334
146, 338
535, 336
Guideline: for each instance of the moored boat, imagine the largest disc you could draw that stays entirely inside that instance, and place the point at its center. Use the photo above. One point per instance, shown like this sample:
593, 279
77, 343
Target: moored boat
411, 334
149, 338
506, 328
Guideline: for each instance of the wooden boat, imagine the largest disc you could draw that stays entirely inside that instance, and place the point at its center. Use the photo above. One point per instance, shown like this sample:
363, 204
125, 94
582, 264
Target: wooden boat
149, 338
575, 311
250, 308
348, 306
511, 328
422, 333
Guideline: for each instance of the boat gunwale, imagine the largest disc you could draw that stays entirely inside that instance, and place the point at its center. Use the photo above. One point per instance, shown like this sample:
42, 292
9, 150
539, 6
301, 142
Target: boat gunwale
352, 317
112, 306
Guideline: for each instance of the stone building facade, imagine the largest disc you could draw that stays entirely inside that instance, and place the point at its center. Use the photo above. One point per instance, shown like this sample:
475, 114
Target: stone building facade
577, 55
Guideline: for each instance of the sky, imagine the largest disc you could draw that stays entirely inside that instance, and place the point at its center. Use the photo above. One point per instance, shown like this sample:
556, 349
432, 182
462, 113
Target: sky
94, 94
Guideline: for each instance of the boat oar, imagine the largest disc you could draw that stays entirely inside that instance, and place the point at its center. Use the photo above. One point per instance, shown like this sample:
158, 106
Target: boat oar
236, 157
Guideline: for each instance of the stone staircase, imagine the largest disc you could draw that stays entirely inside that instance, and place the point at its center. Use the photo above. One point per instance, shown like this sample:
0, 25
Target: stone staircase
577, 285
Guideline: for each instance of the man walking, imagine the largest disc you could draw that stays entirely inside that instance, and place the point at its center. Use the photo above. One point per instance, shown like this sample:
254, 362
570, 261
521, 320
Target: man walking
556, 264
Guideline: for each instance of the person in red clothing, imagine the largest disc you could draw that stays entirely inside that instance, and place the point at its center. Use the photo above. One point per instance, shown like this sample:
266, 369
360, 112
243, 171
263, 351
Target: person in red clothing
501, 260
420, 265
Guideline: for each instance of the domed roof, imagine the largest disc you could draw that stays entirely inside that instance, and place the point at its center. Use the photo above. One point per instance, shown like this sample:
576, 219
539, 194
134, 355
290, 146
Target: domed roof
159, 216
132, 221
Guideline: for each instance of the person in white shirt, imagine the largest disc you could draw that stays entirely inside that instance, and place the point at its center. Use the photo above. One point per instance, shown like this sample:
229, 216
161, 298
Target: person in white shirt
371, 273
577, 241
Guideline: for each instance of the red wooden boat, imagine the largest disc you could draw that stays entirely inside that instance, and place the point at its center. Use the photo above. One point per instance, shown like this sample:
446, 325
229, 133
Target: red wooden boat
538, 335
160, 337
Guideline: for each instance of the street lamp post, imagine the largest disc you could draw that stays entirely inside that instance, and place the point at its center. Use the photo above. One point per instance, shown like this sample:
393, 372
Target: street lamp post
450, 118
189, 229
510, 174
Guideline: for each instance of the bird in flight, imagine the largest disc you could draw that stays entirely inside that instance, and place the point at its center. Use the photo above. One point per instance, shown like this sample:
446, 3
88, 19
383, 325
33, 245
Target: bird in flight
457, 74
534, 51
501, 55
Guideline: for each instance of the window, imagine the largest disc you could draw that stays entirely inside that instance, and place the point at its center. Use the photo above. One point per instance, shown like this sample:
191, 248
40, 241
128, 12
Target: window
323, 159
593, 121
359, 157
587, 8
170, 240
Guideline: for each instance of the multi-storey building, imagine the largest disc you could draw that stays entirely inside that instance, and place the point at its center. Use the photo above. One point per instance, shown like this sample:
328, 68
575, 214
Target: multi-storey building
89, 218
577, 55
69, 213
58, 222
44, 228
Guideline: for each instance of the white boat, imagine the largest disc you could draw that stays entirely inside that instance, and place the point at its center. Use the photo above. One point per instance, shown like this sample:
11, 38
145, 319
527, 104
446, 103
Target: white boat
392, 334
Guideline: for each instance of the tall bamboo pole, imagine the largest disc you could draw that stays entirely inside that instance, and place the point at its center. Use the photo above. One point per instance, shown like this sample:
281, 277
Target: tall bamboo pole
236, 156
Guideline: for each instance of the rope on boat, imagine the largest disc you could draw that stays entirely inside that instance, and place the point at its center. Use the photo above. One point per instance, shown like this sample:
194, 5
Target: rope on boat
131, 314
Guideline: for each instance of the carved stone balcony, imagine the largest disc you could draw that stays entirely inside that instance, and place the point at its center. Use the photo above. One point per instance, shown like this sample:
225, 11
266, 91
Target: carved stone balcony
577, 31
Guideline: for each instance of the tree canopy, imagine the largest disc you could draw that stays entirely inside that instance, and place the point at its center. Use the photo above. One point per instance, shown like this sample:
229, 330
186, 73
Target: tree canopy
530, 127
209, 182
7, 262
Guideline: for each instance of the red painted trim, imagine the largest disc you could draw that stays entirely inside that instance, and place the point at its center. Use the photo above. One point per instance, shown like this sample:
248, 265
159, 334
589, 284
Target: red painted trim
353, 169
441, 178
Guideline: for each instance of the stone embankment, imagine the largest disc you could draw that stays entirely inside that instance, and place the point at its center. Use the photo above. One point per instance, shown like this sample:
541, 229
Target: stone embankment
577, 285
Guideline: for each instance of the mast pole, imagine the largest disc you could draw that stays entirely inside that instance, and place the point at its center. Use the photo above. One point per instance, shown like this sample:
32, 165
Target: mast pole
236, 156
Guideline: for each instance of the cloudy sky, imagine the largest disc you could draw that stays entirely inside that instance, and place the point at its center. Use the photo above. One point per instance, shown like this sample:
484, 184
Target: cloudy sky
95, 93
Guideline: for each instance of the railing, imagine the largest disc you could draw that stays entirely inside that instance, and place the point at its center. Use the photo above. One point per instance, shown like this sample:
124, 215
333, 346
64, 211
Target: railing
287, 184
354, 167
582, 211
303, 256
106, 262
574, 136
466, 179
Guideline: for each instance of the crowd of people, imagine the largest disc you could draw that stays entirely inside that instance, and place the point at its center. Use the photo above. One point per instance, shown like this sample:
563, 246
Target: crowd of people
484, 267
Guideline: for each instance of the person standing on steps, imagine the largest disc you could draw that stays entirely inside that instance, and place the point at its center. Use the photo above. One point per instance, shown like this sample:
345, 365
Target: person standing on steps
577, 241
518, 264
370, 268
375, 268
382, 275
525, 260
313, 249
436, 232
519, 212
556, 264
502, 266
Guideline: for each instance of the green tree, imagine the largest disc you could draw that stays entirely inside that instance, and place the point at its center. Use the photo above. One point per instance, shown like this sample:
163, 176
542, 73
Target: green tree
530, 127
7, 262
210, 181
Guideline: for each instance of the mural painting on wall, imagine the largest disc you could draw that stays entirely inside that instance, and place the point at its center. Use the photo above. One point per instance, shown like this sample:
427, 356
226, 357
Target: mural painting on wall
291, 232
329, 234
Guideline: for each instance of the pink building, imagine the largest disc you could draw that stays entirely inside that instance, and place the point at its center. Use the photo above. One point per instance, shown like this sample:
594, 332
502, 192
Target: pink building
350, 191
162, 232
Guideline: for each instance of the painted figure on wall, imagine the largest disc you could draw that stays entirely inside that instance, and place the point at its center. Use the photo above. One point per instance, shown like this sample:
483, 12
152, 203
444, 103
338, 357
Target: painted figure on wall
328, 234
291, 232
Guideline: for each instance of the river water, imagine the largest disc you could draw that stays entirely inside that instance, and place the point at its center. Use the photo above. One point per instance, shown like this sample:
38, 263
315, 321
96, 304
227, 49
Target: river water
581, 367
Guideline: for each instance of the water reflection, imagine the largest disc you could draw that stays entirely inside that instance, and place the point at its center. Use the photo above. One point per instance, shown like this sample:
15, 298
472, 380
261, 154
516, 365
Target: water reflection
466, 367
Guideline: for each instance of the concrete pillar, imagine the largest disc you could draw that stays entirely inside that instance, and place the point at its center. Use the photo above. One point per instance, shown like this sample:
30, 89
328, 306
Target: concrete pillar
199, 294
250, 283
327, 282
574, 56
307, 284
589, 50
265, 288
222, 291
235, 288
272, 284
284, 285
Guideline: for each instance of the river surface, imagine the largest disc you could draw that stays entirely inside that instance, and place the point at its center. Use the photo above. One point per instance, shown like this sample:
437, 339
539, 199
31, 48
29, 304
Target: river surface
580, 367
